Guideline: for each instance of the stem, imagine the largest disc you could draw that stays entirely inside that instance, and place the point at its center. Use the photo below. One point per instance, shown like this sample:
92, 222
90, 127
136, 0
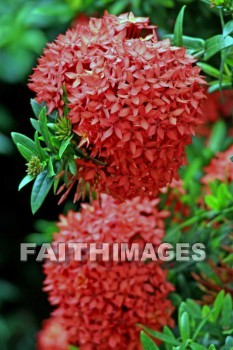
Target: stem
221, 18
201, 325
86, 157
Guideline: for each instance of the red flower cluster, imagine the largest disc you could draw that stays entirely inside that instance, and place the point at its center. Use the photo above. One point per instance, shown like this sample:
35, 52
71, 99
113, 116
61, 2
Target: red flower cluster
133, 101
220, 168
53, 335
217, 105
100, 302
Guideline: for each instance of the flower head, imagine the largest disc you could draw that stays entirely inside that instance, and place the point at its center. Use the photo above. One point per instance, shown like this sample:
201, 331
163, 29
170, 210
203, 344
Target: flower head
52, 336
220, 168
100, 302
34, 166
136, 99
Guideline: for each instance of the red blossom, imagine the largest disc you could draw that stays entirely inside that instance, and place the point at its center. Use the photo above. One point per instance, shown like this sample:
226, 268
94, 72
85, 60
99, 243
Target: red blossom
101, 302
134, 101
52, 336
217, 105
220, 168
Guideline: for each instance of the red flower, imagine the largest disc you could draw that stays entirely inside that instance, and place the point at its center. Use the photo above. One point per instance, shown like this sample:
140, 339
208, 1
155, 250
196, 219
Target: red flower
133, 102
217, 105
101, 302
174, 192
220, 168
52, 336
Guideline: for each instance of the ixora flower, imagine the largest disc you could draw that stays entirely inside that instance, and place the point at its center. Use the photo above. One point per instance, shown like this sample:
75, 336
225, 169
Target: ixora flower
220, 168
133, 102
101, 302
52, 336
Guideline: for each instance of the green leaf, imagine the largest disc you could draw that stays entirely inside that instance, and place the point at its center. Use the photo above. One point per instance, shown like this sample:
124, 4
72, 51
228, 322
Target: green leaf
226, 314
229, 343
25, 152
35, 124
216, 44
44, 128
209, 70
147, 342
72, 166
217, 306
212, 202
178, 29
40, 189
51, 171
228, 28
25, 181
161, 336
215, 86
24, 141
190, 43
212, 347
36, 107
64, 145
218, 135
193, 308
72, 347
168, 332
196, 346
184, 326
43, 155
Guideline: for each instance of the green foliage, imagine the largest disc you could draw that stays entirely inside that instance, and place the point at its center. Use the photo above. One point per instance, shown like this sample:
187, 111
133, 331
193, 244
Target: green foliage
199, 327
45, 162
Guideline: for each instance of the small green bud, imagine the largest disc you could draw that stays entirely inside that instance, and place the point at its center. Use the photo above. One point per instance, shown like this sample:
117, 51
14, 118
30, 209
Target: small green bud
34, 166
63, 128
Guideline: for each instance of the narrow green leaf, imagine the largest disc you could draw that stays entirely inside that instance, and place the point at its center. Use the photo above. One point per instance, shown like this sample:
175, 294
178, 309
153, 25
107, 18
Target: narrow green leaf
25, 181
193, 308
64, 145
228, 332
217, 306
147, 342
209, 70
212, 347
51, 171
212, 202
228, 28
168, 332
36, 107
25, 152
196, 346
72, 166
215, 86
161, 336
226, 314
43, 155
216, 44
35, 124
40, 189
184, 326
190, 43
44, 128
178, 29
218, 135
24, 141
